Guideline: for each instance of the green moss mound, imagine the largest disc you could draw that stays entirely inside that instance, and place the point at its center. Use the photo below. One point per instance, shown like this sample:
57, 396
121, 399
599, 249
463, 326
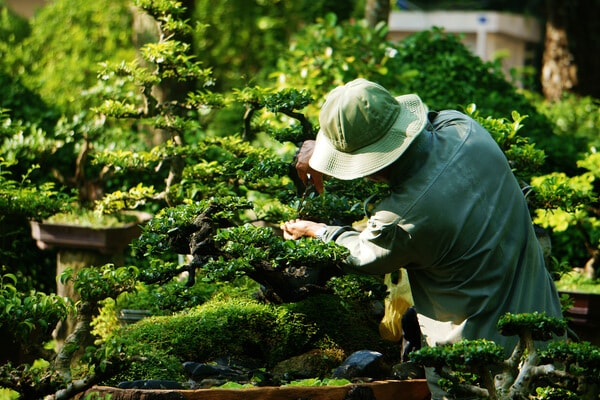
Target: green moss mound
242, 329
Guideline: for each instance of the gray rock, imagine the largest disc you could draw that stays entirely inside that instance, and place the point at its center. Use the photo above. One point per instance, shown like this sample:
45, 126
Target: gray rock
363, 363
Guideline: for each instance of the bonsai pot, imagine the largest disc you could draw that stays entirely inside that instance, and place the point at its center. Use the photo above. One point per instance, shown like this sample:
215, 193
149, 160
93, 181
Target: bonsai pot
415, 389
109, 240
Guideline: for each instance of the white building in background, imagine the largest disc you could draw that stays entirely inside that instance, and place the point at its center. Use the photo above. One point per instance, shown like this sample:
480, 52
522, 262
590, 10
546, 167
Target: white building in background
486, 33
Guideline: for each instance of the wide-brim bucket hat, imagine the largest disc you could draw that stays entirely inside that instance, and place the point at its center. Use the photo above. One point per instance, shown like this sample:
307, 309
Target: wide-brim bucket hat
363, 129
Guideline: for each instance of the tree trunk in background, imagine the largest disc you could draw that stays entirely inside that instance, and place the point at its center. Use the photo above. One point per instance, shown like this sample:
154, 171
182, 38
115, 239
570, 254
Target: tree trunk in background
377, 11
570, 62
559, 72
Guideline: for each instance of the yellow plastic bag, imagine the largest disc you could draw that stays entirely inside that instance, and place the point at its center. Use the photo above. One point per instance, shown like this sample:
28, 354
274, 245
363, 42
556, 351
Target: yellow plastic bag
398, 300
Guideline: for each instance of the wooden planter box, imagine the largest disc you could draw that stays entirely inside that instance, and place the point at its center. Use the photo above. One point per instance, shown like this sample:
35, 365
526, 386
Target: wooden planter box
104, 240
585, 315
382, 390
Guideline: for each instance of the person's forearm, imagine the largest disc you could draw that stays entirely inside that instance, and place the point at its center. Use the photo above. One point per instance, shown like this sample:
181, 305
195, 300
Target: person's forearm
367, 256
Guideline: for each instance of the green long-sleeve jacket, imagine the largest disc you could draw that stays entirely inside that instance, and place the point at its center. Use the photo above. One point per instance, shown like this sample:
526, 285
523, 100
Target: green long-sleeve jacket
457, 220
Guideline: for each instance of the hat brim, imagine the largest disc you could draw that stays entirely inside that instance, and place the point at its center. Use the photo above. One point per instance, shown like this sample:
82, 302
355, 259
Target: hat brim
371, 158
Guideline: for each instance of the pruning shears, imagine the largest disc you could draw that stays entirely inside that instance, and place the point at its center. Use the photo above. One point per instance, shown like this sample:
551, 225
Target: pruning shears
309, 192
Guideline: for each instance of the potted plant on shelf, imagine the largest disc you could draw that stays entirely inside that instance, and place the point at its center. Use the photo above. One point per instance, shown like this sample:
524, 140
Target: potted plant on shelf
584, 312
85, 229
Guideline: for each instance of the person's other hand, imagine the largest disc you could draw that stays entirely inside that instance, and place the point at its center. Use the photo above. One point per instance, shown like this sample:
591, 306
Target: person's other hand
305, 172
295, 229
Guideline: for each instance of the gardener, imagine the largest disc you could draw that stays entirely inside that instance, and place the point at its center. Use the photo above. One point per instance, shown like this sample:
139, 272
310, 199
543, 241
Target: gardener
455, 218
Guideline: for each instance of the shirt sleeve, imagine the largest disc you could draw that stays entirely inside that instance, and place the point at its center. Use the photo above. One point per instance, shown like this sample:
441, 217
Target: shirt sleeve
378, 249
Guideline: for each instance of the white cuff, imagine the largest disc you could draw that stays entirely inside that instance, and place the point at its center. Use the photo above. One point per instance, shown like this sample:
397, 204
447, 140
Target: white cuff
321, 232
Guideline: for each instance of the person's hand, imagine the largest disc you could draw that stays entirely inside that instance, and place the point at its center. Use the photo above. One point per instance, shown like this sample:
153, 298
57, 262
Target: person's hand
305, 172
298, 228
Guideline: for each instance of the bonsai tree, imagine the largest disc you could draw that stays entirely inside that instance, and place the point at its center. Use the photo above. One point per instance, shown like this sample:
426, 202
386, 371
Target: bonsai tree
478, 367
54, 96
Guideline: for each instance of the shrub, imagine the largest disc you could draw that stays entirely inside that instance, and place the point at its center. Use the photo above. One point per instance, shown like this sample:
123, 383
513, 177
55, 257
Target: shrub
222, 327
59, 59
575, 122
262, 31
27, 320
